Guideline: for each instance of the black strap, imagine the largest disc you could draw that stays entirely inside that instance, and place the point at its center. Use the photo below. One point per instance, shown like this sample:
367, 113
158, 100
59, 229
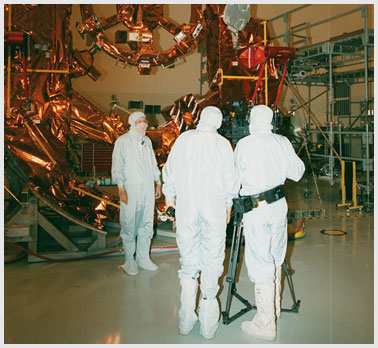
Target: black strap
269, 196
244, 204
274, 194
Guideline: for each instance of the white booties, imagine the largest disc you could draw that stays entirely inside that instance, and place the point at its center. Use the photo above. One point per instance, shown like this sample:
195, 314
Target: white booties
263, 324
143, 254
187, 316
130, 266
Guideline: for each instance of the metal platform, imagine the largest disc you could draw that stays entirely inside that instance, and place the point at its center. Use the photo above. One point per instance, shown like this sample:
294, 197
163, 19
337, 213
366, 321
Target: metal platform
51, 231
345, 49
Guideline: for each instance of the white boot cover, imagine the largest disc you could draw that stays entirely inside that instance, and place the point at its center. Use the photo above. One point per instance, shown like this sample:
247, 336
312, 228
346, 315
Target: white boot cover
130, 266
208, 317
263, 324
143, 254
187, 316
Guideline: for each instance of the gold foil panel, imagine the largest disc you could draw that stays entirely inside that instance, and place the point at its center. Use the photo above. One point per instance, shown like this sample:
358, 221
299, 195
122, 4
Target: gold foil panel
36, 130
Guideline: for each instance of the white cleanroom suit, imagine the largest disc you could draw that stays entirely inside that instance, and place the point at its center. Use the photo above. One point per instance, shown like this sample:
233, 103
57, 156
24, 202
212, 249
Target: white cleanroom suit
134, 169
200, 174
263, 161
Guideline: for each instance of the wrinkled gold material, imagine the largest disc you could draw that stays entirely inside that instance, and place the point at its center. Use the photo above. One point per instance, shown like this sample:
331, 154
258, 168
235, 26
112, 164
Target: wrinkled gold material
141, 20
37, 135
36, 130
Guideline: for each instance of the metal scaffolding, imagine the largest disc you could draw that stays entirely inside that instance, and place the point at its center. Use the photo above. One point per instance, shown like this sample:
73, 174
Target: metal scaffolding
328, 64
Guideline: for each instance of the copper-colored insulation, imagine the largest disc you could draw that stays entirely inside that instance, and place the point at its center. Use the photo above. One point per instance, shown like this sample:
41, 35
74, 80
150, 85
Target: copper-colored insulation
57, 111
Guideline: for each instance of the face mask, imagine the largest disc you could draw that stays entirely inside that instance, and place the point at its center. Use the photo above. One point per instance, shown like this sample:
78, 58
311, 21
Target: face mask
141, 128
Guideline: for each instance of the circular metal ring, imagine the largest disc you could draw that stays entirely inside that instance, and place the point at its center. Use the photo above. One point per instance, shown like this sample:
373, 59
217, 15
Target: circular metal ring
141, 20
333, 232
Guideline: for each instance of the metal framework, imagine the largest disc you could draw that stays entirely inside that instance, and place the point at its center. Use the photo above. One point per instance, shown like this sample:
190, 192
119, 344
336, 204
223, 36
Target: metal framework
329, 64
75, 237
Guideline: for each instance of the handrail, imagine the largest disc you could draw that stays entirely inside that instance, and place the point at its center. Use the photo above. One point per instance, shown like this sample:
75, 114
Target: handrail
316, 23
288, 12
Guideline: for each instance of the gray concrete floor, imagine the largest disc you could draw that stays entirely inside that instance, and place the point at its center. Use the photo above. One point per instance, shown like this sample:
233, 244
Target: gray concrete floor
94, 301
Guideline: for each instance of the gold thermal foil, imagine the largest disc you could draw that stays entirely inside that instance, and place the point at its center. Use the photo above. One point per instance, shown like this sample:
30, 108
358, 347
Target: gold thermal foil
36, 129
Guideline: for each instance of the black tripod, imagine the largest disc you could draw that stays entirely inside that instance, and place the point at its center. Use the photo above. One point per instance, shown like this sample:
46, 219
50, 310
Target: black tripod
234, 260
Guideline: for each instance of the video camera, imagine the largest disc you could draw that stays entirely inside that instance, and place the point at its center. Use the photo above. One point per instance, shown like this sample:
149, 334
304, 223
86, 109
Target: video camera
242, 204
171, 212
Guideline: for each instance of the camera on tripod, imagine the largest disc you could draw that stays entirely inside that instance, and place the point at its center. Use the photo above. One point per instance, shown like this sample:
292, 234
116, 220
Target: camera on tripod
242, 204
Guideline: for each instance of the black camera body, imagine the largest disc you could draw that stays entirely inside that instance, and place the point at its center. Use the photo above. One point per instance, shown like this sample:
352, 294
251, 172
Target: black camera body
171, 212
242, 204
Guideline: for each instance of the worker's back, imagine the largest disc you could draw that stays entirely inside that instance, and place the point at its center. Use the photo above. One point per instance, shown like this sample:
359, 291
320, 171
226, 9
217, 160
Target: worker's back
264, 161
200, 171
203, 167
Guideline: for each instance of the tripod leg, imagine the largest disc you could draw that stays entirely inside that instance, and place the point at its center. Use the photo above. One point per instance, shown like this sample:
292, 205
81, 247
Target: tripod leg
234, 259
296, 304
230, 278
235, 251
231, 275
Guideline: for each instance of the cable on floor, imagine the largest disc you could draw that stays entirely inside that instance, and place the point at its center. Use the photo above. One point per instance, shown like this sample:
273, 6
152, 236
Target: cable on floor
82, 257
61, 260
